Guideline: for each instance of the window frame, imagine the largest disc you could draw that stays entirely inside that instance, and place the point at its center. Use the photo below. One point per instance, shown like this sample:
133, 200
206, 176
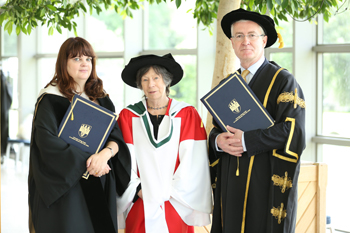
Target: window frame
319, 49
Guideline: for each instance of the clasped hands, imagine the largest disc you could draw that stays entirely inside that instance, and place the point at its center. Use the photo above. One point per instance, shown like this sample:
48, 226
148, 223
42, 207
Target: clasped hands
97, 163
231, 142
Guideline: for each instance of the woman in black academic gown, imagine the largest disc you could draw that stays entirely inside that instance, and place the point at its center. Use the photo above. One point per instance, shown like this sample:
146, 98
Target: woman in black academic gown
60, 200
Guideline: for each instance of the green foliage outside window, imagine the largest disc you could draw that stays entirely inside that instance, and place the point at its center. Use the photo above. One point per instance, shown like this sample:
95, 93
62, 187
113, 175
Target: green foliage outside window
186, 89
160, 35
336, 82
161, 31
336, 69
336, 31
105, 31
284, 60
11, 44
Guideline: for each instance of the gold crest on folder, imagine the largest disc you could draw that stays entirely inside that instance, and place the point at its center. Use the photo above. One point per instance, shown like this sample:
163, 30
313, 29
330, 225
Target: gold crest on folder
234, 106
84, 130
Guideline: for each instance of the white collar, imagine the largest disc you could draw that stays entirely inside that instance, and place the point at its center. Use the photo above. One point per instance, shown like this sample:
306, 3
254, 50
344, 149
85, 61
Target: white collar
55, 91
253, 68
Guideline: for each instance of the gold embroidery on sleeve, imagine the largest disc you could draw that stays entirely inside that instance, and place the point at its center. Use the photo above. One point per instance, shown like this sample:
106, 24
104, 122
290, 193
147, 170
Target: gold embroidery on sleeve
279, 213
284, 182
292, 98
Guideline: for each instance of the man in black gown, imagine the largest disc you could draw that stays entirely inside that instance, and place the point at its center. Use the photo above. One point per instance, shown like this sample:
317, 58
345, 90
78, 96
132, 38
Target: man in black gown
257, 171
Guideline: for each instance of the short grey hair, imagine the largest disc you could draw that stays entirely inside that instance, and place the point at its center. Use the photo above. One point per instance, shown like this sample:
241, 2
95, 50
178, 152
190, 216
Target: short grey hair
245, 20
160, 70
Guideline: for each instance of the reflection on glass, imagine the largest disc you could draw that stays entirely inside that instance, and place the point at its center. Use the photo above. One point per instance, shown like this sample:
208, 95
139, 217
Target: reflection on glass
336, 95
9, 43
186, 89
284, 60
337, 28
286, 31
109, 70
167, 27
338, 203
105, 31
46, 71
51, 44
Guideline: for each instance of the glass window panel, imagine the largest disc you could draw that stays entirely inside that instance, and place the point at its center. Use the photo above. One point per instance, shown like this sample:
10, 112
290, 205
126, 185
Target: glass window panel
109, 70
105, 31
336, 95
335, 31
9, 43
50, 44
13, 123
46, 71
186, 89
286, 31
170, 28
284, 60
10, 69
338, 203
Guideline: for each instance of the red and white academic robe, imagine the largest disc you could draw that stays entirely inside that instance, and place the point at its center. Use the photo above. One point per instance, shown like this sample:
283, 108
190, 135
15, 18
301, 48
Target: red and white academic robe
173, 168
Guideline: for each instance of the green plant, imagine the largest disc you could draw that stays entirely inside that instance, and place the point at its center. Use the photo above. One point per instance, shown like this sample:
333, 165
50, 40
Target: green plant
25, 15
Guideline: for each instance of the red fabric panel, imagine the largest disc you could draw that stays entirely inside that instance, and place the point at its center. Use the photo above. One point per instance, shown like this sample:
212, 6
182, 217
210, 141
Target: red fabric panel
135, 222
125, 124
175, 222
191, 125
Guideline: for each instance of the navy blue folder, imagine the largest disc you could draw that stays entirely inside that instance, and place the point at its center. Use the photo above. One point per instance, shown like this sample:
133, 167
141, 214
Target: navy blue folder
86, 125
233, 103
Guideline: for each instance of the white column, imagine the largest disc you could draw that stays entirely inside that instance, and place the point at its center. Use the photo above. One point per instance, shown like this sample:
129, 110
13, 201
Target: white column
27, 73
205, 65
133, 28
305, 73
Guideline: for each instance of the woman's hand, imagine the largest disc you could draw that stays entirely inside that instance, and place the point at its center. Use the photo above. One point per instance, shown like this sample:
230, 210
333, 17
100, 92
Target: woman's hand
140, 194
97, 163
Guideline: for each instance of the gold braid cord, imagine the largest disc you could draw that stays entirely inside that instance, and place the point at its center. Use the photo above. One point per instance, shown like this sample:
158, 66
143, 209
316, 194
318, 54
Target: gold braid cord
292, 98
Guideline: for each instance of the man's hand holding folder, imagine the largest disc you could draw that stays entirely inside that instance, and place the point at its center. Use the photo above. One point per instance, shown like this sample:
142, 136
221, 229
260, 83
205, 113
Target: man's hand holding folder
231, 142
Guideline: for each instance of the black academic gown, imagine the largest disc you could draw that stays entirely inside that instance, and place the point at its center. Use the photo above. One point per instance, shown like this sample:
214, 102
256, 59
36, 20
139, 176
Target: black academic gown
252, 202
56, 199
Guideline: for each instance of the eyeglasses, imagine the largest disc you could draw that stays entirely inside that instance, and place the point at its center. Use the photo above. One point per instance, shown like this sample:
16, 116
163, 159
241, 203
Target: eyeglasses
251, 37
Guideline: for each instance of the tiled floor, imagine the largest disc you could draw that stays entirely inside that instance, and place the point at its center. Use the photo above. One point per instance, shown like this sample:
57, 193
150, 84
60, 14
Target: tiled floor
14, 197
